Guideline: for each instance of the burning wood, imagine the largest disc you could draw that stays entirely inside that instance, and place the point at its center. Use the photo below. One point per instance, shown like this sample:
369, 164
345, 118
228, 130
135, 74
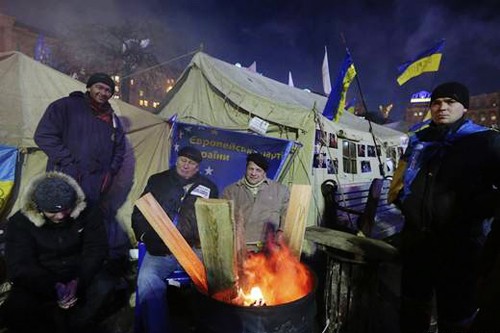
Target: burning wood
270, 277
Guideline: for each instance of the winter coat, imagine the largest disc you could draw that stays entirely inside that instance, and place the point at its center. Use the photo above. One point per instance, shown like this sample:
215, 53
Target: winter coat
80, 144
40, 253
269, 206
168, 189
457, 186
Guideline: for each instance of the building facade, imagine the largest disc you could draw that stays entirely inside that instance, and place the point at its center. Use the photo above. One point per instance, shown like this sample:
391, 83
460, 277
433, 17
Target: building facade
145, 91
484, 109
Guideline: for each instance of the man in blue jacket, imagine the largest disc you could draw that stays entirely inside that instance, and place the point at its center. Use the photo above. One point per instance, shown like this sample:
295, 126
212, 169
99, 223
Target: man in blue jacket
449, 189
83, 137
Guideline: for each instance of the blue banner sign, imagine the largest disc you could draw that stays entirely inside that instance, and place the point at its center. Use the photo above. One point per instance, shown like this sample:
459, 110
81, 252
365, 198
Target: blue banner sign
224, 152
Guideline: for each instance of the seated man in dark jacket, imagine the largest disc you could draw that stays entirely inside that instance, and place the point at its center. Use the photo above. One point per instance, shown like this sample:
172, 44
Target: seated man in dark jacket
176, 190
55, 250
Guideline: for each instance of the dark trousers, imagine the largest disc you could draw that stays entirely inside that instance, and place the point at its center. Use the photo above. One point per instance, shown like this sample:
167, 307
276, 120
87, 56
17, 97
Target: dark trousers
27, 311
442, 267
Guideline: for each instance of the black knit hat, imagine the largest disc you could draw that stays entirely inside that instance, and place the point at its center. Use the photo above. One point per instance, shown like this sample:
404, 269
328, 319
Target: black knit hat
258, 159
454, 90
191, 153
54, 194
103, 78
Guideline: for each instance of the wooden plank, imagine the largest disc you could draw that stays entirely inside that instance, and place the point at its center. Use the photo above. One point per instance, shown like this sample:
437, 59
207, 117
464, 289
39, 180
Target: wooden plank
215, 218
369, 249
296, 216
167, 231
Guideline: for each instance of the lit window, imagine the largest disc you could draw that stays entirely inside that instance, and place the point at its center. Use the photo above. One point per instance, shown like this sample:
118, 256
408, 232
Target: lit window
146, 103
141, 102
420, 113
141, 93
349, 153
132, 82
415, 114
168, 88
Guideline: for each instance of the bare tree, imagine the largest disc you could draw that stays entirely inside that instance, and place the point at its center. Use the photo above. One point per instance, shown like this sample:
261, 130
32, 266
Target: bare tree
124, 49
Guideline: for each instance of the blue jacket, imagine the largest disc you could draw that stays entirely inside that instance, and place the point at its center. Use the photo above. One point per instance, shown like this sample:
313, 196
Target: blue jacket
80, 144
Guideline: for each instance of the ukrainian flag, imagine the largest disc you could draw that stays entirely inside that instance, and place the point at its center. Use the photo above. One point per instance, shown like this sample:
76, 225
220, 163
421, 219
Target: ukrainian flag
427, 61
335, 104
8, 159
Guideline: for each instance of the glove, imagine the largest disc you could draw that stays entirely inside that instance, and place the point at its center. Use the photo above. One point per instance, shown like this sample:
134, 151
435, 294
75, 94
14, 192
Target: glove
66, 294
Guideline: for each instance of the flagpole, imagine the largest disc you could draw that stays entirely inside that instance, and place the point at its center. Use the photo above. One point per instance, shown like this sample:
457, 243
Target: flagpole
370, 127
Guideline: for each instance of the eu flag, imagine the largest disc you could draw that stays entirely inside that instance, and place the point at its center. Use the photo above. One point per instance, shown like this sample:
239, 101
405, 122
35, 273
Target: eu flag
427, 61
336, 100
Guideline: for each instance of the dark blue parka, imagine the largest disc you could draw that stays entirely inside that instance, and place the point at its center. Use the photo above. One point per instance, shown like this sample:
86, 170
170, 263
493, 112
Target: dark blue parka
80, 144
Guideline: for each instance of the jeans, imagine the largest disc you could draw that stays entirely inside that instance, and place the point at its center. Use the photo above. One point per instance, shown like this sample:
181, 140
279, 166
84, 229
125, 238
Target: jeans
152, 292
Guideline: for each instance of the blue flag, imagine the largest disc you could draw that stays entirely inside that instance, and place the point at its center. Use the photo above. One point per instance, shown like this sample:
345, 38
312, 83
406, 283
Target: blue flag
336, 100
427, 61
8, 160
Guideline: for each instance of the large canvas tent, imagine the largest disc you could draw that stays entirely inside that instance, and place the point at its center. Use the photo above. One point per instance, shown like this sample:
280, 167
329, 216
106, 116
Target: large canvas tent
215, 93
27, 87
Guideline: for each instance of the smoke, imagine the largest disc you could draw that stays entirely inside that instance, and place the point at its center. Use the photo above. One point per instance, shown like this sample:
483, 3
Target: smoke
290, 35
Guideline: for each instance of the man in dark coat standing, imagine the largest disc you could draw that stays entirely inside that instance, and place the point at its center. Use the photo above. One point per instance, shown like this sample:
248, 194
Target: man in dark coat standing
55, 251
83, 137
176, 190
449, 191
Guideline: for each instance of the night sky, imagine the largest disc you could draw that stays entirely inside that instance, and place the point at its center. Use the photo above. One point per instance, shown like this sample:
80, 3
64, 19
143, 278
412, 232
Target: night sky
283, 36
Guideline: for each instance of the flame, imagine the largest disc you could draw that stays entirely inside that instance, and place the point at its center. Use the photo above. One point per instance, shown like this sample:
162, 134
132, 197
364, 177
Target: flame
255, 298
270, 277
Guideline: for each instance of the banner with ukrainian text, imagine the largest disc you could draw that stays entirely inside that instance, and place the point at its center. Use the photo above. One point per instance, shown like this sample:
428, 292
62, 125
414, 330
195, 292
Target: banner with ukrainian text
224, 152
427, 61
8, 159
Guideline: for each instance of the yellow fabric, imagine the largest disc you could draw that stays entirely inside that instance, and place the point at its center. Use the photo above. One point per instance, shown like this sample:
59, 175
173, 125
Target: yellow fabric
427, 64
349, 76
5, 191
397, 182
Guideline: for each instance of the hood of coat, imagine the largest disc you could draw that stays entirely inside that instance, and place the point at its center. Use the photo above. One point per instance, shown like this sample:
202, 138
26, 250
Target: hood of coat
29, 207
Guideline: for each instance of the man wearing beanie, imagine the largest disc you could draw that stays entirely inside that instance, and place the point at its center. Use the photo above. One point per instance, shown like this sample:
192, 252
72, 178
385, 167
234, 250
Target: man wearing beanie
83, 137
176, 190
55, 251
258, 201
449, 190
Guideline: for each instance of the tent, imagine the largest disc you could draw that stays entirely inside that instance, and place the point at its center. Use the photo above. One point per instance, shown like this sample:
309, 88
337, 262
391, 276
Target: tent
27, 87
215, 93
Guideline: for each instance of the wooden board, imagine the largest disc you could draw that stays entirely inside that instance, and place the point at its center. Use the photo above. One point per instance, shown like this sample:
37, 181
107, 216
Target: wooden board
167, 231
296, 216
215, 218
367, 249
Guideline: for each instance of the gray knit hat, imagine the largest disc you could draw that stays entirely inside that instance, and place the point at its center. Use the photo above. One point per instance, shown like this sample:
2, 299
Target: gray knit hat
54, 194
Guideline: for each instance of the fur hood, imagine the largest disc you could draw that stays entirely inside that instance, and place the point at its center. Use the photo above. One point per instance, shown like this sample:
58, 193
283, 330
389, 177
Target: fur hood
28, 205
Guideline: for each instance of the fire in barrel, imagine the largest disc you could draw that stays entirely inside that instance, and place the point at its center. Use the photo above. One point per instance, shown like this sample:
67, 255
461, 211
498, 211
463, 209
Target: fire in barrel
240, 292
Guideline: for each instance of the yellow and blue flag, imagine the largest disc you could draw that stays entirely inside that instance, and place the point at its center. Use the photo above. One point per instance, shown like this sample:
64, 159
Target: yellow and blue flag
427, 61
8, 159
335, 104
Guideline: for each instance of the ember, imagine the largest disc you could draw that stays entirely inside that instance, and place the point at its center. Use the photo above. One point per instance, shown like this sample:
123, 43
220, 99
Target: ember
271, 277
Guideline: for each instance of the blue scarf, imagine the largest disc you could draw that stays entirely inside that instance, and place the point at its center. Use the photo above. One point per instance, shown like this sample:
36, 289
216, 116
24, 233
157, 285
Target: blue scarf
420, 152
